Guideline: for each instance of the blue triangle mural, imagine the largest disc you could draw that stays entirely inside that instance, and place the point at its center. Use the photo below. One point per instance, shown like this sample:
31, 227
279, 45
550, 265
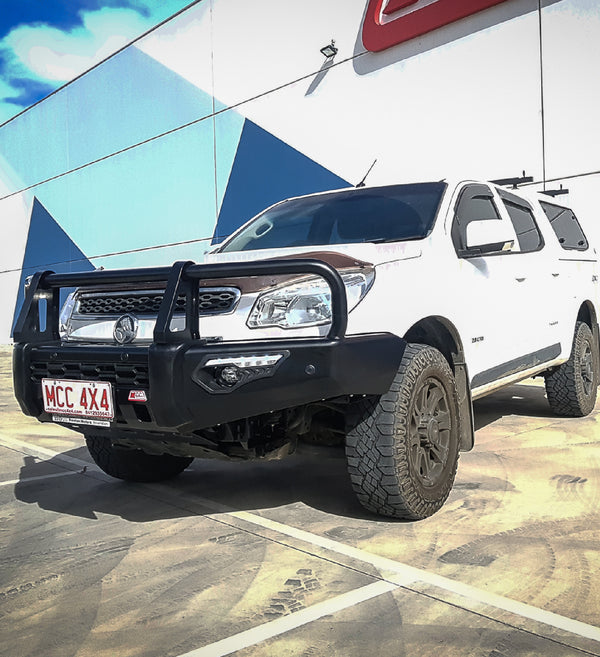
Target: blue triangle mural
48, 247
267, 170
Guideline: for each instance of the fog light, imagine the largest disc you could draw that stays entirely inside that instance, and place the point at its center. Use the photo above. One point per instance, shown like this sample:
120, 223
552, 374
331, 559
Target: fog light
222, 375
229, 375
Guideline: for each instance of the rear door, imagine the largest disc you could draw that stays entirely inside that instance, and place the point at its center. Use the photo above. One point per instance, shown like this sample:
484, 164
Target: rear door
532, 267
499, 306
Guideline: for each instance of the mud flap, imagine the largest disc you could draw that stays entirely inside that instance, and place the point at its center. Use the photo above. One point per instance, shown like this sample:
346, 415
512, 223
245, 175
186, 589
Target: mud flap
465, 404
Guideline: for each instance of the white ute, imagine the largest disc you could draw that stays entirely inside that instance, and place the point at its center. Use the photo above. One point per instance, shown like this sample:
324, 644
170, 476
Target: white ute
452, 291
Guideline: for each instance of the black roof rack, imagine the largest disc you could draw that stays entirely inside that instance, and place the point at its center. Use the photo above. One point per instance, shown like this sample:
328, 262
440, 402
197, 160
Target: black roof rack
513, 182
555, 192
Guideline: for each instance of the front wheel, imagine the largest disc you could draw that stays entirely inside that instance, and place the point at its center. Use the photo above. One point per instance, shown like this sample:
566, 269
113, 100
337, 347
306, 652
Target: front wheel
133, 464
402, 447
572, 387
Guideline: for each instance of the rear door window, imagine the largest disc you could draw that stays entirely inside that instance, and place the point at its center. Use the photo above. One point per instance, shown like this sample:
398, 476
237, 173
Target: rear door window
521, 215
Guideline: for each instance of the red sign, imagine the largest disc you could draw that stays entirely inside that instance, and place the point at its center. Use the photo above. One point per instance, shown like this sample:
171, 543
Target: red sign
382, 31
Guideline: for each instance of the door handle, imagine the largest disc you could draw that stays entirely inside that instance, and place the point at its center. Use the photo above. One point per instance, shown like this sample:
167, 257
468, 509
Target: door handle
555, 275
520, 279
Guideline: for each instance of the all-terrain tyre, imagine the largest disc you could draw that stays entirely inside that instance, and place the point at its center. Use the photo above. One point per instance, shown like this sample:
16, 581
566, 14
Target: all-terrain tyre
572, 387
402, 447
133, 464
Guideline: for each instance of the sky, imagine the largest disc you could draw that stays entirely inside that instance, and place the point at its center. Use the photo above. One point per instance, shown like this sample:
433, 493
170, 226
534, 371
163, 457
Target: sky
46, 43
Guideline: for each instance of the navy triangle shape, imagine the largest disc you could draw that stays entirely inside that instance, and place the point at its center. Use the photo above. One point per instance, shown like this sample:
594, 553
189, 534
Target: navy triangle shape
48, 247
267, 170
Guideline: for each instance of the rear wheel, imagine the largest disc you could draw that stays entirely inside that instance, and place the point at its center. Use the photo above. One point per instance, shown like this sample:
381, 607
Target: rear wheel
572, 387
402, 447
133, 464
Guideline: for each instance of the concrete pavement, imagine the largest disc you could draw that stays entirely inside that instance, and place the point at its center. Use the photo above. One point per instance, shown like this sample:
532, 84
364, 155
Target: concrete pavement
278, 558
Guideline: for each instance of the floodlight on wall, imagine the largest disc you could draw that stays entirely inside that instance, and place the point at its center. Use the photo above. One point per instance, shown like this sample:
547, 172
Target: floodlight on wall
329, 50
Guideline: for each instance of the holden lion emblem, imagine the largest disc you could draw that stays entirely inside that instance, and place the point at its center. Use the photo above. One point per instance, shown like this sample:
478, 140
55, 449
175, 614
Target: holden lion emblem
126, 328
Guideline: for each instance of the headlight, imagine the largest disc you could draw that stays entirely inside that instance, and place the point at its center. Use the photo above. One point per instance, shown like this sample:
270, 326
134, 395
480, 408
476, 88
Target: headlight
306, 303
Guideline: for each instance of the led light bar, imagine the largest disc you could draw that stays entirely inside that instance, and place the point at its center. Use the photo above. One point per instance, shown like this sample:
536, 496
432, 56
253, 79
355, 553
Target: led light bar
263, 360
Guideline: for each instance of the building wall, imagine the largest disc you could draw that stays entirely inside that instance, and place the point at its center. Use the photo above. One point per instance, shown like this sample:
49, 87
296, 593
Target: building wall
230, 106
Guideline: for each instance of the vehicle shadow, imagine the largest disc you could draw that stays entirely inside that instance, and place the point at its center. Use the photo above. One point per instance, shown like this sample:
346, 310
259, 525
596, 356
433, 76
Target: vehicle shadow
314, 476
520, 399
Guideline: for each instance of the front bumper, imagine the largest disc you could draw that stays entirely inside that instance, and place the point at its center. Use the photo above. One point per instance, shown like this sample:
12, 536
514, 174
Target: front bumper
177, 380
184, 394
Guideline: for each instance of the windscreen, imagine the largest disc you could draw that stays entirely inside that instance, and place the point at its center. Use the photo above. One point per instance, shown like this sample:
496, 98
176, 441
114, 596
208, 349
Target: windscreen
377, 214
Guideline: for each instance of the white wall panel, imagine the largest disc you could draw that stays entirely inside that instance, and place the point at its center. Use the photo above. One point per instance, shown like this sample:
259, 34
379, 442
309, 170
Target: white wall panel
263, 44
469, 109
571, 56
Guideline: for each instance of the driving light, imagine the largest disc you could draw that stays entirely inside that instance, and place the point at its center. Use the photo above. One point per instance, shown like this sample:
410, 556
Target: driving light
307, 302
225, 373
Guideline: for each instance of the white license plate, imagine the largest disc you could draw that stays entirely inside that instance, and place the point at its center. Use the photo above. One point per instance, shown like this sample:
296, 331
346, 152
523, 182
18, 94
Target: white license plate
78, 399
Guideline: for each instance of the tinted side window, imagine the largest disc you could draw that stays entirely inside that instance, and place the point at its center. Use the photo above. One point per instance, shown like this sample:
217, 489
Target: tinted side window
521, 215
527, 231
564, 223
474, 204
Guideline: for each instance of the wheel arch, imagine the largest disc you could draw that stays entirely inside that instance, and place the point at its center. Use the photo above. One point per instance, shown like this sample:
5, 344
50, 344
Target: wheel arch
587, 314
439, 332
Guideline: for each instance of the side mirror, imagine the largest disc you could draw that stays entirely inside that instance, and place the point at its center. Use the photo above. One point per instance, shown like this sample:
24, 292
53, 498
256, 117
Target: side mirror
486, 237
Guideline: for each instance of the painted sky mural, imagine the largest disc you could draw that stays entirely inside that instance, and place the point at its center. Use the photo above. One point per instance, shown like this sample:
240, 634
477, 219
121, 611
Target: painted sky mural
46, 43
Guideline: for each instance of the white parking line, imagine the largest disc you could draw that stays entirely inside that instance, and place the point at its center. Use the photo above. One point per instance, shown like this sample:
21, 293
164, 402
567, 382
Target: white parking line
36, 450
286, 623
26, 480
389, 568
417, 574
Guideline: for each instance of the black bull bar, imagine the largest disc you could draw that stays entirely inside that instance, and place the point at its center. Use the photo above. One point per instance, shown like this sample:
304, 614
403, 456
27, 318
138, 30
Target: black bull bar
180, 399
